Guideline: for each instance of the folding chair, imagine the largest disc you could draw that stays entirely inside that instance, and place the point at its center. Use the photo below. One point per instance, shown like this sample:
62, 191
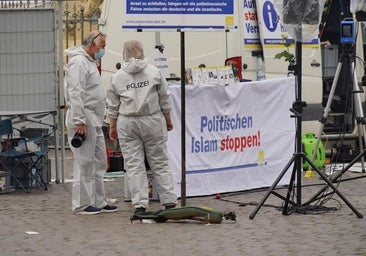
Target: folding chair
17, 154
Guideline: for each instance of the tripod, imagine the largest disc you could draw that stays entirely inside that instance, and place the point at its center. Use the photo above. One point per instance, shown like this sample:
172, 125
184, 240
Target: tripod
348, 57
298, 157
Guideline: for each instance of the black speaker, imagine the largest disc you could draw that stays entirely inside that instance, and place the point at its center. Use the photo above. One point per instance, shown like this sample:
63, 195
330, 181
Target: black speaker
116, 163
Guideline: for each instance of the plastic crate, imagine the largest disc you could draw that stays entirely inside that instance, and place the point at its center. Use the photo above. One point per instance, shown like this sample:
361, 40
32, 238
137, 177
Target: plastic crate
329, 60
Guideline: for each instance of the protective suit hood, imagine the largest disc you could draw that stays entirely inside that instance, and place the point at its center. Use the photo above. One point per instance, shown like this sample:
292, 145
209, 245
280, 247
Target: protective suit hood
77, 50
134, 65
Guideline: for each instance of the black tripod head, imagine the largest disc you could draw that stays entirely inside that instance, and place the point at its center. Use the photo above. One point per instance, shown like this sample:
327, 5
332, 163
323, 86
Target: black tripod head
348, 49
297, 108
348, 53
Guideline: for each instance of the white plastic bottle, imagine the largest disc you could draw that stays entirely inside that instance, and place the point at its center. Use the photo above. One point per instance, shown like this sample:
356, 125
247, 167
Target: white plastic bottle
260, 69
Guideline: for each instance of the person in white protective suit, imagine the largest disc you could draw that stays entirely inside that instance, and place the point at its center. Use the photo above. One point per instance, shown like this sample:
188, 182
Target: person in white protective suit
139, 112
85, 101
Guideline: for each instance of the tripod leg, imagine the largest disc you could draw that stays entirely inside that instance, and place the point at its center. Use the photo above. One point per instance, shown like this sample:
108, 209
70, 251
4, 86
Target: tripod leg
289, 191
322, 175
335, 178
278, 179
359, 113
327, 109
360, 144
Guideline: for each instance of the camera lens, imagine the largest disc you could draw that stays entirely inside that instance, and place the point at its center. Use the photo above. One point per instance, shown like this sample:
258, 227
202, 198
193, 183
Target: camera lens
77, 140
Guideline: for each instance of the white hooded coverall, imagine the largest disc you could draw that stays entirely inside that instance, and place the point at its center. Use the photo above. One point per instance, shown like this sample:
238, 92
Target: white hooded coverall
85, 101
137, 97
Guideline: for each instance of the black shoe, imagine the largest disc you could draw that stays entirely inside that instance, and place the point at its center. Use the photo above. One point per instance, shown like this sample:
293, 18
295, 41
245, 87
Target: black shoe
90, 210
109, 208
170, 206
139, 210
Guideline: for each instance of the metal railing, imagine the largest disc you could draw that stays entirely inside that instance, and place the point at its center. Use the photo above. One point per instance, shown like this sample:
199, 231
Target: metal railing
11, 4
78, 17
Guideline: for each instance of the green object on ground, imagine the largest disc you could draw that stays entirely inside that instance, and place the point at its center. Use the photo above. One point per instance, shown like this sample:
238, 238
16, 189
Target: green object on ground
203, 214
309, 142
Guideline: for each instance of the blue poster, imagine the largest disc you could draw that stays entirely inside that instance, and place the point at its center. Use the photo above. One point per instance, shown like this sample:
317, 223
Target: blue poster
180, 15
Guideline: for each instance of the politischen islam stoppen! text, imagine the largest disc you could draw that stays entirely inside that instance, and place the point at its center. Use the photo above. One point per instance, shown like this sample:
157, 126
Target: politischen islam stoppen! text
217, 124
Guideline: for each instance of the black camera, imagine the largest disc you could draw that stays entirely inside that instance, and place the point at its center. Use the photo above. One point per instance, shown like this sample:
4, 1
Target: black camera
77, 140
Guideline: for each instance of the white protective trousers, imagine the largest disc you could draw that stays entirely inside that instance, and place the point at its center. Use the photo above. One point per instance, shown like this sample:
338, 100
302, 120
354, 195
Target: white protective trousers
90, 163
146, 134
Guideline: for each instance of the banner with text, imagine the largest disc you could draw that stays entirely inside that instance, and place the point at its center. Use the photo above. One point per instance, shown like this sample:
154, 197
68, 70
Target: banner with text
179, 15
238, 137
250, 27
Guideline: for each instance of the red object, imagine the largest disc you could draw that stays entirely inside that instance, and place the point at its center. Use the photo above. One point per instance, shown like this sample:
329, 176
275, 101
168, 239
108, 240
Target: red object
109, 152
117, 153
218, 196
235, 63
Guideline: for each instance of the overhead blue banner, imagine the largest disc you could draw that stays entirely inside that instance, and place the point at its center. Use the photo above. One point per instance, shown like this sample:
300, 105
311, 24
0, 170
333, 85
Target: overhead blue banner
179, 14
180, 7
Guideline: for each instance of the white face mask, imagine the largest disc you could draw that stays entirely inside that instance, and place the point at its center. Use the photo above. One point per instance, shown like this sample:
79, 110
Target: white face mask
99, 54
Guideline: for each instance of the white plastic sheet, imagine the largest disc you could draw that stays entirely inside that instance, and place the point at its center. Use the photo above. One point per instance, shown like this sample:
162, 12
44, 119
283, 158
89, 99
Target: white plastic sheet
300, 18
358, 5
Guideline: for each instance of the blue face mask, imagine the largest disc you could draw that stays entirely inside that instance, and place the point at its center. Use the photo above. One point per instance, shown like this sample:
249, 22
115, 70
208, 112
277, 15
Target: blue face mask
99, 54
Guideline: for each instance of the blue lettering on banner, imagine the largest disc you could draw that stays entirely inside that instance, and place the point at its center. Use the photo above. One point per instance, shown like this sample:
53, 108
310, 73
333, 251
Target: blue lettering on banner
179, 7
274, 41
250, 4
282, 41
219, 124
269, 16
251, 28
225, 123
252, 41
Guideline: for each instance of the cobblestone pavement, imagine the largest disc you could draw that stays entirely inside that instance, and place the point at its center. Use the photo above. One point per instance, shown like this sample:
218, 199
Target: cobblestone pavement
41, 223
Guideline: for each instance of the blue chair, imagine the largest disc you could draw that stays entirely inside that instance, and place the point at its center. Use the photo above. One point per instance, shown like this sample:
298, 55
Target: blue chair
17, 154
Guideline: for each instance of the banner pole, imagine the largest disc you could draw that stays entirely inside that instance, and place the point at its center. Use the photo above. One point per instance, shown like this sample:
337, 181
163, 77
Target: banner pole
183, 118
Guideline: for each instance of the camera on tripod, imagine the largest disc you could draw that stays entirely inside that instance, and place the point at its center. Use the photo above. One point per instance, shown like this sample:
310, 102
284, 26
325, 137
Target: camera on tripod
347, 31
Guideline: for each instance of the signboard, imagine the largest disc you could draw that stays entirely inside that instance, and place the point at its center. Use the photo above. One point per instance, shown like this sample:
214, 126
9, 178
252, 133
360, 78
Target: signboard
276, 39
250, 27
179, 15
238, 137
272, 30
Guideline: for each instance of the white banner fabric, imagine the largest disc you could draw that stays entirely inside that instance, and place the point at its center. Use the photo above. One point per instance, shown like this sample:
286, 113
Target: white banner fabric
238, 137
